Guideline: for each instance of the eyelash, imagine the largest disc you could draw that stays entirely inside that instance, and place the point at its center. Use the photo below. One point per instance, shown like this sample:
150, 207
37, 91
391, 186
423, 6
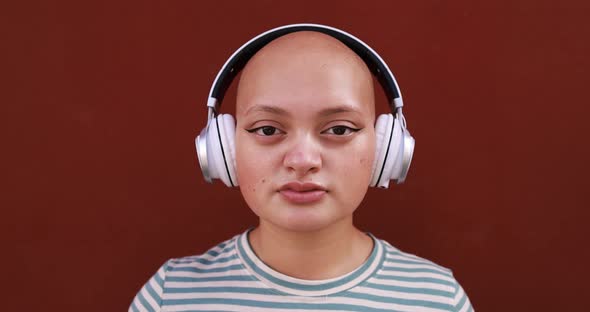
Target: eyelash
346, 128
256, 130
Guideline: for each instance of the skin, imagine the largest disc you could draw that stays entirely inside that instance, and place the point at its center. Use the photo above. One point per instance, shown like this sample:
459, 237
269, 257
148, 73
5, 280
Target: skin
305, 112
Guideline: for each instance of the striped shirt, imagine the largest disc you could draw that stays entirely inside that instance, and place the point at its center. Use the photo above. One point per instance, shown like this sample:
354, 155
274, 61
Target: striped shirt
230, 277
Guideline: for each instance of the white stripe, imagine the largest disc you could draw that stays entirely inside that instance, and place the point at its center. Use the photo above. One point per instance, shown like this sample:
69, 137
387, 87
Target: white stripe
460, 296
425, 285
252, 284
238, 272
161, 273
390, 264
227, 307
222, 253
199, 265
390, 248
207, 257
417, 259
228, 246
400, 295
294, 299
237, 295
150, 300
407, 257
138, 305
155, 286
394, 252
466, 306
418, 275
211, 261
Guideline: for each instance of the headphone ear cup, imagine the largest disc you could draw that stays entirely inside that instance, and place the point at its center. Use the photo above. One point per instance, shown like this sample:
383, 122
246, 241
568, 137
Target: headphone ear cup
392, 166
201, 147
227, 127
220, 149
216, 150
388, 152
382, 132
406, 154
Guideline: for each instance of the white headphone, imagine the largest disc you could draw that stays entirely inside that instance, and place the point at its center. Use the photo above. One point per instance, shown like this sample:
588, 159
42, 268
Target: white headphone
394, 147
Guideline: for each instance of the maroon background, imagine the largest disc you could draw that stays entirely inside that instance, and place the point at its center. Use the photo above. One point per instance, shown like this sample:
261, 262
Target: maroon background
101, 103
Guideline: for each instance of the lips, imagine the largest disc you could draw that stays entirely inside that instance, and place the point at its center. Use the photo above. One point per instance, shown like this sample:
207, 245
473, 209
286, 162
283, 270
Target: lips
302, 193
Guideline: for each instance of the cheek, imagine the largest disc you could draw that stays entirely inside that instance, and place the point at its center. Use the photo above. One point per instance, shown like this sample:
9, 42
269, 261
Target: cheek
358, 180
367, 156
353, 168
253, 166
361, 160
244, 163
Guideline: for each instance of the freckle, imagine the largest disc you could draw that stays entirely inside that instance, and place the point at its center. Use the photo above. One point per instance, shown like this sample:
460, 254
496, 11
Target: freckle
263, 180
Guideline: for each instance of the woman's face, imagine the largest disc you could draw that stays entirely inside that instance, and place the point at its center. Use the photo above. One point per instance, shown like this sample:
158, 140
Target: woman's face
305, 139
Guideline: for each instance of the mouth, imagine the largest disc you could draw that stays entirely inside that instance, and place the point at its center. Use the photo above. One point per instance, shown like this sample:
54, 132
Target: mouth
302, 193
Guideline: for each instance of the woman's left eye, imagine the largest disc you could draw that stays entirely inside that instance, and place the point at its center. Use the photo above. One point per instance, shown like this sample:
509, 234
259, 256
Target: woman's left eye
341, 130
265, 131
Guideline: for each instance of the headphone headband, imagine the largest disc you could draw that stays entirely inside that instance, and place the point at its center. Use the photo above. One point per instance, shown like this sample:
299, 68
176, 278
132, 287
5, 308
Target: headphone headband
241, 56
395, 145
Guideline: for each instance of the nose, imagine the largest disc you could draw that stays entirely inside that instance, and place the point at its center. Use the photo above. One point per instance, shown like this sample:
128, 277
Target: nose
303, 156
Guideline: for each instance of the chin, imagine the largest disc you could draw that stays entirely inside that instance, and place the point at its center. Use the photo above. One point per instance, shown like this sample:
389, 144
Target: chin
303, 226
305, 219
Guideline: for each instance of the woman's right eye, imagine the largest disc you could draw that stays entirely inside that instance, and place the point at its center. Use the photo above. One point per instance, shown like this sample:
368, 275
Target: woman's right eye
265, 131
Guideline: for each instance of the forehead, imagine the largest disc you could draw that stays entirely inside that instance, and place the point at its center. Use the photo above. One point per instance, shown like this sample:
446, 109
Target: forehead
305, 71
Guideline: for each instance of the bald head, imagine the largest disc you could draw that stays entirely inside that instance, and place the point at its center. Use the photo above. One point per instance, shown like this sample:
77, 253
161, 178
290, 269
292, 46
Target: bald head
304, 66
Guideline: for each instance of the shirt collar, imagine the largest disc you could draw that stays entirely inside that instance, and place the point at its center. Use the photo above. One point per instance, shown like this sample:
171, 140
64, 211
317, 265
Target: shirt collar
301, 287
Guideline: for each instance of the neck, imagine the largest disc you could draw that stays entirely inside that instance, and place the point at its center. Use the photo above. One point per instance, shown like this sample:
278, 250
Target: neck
315, 255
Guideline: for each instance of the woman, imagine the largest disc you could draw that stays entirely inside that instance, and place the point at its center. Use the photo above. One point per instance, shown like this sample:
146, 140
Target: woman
305, 153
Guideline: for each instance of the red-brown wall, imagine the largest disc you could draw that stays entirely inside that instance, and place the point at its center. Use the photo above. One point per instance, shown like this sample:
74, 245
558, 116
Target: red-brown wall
100, 104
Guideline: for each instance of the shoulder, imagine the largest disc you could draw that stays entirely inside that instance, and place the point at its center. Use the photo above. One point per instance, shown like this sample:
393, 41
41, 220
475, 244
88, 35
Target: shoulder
214, 262
436, 283
396, 258
220, 257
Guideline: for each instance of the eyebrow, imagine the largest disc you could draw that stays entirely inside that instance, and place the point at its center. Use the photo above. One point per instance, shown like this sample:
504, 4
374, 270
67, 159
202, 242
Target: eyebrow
338, 110
280, 111
267, 109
